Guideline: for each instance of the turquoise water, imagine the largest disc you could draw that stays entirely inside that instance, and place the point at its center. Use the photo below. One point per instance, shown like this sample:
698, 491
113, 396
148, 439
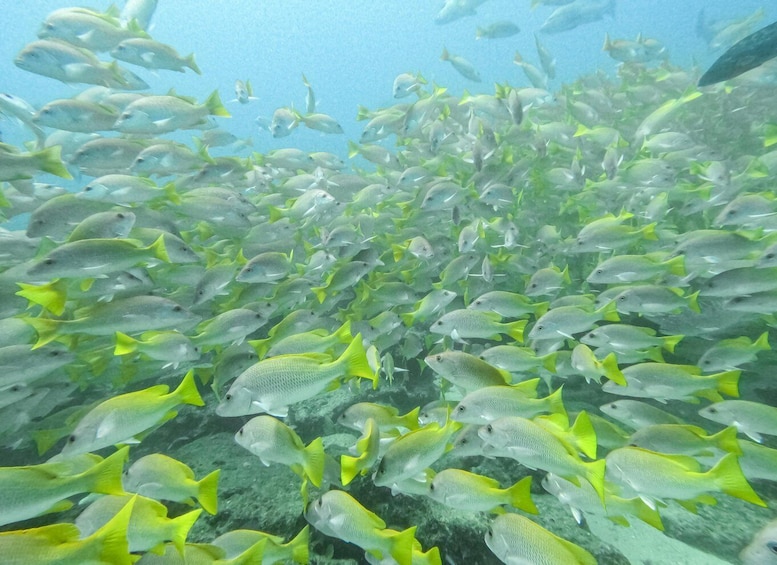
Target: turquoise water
554, 185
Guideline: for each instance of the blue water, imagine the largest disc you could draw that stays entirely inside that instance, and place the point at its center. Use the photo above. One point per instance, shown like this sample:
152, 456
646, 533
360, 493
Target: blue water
351, 51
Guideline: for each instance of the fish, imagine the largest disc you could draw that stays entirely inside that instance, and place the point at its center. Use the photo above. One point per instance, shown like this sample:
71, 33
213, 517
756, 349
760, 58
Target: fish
573, 14
123, 417
497, 30
161, 477
463, 490
464, 67
746, 54
760, 549
161, 114
748, 417
152, 54
338, 514
654, 476
274, 442
149, 525
273, 384
513, 538
63, 543
34, 490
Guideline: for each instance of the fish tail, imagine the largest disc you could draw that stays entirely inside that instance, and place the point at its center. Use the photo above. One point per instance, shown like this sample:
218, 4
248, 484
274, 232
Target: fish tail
110, 541
52, 295
315, 459
693, 302
192, 64
611, 370
402, 545
726, 440
669, 342
320, 292
187, 391
207, 493
159, 250
762, 343
46, 329
349, 468
515, 330
45, 439
445, 55
728, 382
540, 308
181, 526
50, 161
650, 516
410, 420
356, 362
556, 403
549, 362
585, 435
105, 476
594, 474
520, 496
432, 557
215, 107
727, 476
676, 266
125, 344
300, 552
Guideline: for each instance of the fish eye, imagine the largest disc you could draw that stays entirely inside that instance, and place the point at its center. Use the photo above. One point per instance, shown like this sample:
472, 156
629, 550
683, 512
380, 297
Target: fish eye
769, 256
240, 432
489, 428
120, 216
613, 406
228, 397
71, 439
431, 486
320, 502
48, 262
712, 410
772, 545
177, 309
461, 408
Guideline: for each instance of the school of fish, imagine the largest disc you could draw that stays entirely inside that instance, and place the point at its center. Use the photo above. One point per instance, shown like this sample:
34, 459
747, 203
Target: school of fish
578, 286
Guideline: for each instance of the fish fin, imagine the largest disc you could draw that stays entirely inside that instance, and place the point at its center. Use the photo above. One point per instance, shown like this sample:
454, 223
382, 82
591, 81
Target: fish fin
52, 295
215, 107
125, 344
111, 538
520, 496
727, 476
187, 391
181, 526
207, 492
315, 460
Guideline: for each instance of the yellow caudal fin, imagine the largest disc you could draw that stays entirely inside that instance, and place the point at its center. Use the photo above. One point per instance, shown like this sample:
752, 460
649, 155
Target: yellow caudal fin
520, 496
109, 542
315, 460
515, 330
187, 391
402, 545
125, 344
105, 476
356, 362
52, 295
637, 507
584, 434
726, 440
46, 329
594, 474
349, 468
611, 371
556, 403
215, 107
727, 476
207, 492
728, 383
181, 526
299, 546
669, 342
410, 420
50, 161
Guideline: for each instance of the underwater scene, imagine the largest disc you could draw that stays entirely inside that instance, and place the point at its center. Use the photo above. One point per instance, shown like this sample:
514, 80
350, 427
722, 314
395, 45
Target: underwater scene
459, 282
